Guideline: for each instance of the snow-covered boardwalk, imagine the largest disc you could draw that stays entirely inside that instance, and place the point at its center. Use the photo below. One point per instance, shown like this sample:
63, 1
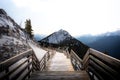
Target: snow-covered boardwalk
38, 51
60, 62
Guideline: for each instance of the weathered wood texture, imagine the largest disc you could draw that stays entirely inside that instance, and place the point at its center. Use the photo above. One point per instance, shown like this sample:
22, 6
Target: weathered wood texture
60, 75
22, 65
13, 68
98, 65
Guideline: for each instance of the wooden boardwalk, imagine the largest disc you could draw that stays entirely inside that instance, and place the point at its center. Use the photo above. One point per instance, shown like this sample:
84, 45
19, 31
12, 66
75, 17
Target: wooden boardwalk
59, 68
59, 62
94, 66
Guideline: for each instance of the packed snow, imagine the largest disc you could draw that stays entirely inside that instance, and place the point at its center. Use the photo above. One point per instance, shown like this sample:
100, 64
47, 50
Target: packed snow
60, 62
38, 51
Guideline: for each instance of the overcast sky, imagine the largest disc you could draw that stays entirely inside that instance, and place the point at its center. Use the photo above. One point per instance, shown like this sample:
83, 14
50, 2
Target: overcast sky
78, 17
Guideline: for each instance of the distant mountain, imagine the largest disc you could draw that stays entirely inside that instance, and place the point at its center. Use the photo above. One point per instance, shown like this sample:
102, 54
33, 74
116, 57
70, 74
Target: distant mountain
91, 38
13, 39
86, 39
57, 37
114, 33
38, 37
62, 39
108, 42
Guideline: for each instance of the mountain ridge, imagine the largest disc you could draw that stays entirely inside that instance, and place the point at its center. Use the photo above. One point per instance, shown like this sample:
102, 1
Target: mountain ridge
91, 38
57, 37
108, 42
63, 40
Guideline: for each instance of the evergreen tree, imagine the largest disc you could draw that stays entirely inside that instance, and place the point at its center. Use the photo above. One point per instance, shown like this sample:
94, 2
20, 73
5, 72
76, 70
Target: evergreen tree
28, 28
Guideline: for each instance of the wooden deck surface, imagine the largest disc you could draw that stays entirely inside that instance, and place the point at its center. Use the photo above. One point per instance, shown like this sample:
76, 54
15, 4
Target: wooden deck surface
59, 62
60, 75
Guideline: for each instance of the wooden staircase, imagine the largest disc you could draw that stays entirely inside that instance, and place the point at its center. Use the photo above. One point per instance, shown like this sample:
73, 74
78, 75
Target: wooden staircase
94, 66
59, 75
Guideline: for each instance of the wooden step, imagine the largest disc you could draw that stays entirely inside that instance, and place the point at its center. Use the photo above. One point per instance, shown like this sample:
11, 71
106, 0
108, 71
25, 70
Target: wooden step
59, 75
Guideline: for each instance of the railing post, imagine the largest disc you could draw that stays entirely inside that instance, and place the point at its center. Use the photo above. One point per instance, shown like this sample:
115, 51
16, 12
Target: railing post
85, 61
7, 70
76, 66
68, 55
48, 55
32, 62
45, 62
76, 61
28, 66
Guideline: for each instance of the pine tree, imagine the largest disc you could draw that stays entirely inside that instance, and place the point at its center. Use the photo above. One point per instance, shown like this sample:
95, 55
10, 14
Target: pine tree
28, 28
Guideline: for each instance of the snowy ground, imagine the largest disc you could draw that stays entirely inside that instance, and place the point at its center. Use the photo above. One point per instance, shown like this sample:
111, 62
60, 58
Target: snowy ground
38, 51
60, 62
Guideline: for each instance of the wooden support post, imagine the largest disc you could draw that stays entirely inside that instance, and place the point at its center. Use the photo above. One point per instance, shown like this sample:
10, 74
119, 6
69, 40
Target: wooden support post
7, 70
32, 63
28, 66
45, 62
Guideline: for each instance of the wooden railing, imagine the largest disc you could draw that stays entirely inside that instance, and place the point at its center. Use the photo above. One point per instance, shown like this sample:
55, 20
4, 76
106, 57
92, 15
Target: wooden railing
76, 61
98, 65
43, 61
66, 53
22, 65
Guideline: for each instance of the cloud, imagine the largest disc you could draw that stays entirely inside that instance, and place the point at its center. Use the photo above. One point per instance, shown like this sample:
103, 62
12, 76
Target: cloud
76, 16
33, 5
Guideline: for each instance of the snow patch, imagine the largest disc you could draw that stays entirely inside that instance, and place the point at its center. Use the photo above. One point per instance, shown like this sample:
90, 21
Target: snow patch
38, 51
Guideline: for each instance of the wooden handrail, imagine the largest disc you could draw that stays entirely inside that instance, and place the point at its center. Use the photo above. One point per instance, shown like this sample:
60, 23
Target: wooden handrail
22, 65
107, 66
43, 62
113, 62
75, 60
14, 67
97, 64
5, 64
75, 55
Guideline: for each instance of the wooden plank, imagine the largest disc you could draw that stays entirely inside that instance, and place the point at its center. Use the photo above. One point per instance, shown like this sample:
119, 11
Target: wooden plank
85, 63
19, 73
104, 66
5, 64
60, 75
94, 72
76, 56
104, 74
86, 55
28, 73
108, 60
9, 73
